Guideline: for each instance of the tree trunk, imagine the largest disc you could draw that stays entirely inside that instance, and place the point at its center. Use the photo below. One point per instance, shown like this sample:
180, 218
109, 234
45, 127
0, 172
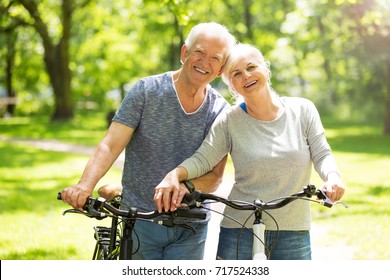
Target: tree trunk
57, 61
174, 48
56, 58
11, 36
248, 18
60, 74
387, 109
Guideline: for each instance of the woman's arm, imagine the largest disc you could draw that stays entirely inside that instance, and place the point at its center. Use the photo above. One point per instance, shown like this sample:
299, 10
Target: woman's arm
322, 157
206, 165
170, 191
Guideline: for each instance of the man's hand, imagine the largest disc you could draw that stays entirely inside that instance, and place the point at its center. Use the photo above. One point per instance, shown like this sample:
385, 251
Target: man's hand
76, 195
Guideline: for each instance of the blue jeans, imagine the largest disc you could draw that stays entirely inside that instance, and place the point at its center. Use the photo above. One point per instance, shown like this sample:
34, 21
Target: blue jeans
280, 245
158, 242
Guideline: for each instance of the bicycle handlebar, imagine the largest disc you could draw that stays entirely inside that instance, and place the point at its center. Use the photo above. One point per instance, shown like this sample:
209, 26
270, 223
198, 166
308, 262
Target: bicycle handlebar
195, 199
98, 208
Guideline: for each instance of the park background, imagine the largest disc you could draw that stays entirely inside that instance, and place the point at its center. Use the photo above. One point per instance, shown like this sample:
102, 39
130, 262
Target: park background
65, 65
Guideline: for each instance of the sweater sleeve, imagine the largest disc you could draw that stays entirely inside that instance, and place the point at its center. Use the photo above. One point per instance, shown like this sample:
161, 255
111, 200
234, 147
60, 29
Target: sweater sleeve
320, 151
213, 148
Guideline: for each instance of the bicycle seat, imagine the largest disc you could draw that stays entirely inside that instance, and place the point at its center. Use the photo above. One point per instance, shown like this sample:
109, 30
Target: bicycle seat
110, 191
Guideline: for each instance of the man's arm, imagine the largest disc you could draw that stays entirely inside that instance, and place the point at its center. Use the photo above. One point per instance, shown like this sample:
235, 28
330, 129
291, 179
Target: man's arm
101, 160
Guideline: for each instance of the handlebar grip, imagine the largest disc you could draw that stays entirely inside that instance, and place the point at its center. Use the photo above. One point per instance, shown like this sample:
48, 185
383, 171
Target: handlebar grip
190, 213
86, 205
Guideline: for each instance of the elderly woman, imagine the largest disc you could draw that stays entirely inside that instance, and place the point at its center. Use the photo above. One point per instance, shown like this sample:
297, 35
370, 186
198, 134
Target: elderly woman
273, 142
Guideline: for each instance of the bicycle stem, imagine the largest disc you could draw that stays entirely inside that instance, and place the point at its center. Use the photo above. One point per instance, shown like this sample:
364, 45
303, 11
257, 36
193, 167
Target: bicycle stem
258, 248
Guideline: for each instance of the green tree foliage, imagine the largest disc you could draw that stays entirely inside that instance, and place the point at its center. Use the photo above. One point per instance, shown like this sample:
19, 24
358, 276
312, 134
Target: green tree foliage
52, 22
334, 52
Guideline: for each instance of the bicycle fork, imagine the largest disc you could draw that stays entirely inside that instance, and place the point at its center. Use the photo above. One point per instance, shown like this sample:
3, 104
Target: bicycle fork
258, 248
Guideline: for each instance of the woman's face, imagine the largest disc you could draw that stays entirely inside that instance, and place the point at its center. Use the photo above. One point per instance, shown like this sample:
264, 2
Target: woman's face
249, 75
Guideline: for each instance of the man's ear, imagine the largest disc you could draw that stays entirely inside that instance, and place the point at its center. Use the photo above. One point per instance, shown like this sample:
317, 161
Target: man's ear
222, 68
221, 71
183, 53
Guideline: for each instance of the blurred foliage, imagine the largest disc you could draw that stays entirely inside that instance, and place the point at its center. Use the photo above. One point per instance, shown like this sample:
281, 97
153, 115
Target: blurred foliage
334, 52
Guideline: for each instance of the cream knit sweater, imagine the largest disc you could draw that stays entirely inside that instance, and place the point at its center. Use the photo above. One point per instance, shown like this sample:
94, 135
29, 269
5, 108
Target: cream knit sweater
271, 159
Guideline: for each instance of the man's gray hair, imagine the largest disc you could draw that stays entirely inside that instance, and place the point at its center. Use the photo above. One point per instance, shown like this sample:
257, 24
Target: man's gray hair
210, 28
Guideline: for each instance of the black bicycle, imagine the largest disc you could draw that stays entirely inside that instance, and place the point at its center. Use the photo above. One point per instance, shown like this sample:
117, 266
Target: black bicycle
116, 242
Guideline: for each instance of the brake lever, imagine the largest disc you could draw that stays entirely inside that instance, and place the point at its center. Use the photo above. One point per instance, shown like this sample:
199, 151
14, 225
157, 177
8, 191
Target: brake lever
94, 207
97, 215
73, 211
324, 199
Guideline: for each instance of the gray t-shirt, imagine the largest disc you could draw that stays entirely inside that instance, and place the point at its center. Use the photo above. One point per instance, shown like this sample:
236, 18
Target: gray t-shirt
164, 135
271, 159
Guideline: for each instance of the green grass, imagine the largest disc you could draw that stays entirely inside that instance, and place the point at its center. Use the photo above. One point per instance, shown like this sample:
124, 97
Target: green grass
32, 226
86, 129
363, 156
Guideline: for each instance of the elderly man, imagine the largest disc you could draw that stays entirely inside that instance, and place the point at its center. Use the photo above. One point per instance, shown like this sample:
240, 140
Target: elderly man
163, 120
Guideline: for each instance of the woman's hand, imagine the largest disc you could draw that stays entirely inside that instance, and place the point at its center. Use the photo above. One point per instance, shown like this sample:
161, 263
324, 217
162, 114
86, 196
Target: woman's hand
167, 192
170, 192
334, 187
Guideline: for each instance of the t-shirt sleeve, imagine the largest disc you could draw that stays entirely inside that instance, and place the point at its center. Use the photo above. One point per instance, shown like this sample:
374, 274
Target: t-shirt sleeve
130, 110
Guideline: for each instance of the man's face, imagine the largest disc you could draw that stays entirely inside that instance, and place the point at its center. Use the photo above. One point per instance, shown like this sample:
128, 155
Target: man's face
203, 62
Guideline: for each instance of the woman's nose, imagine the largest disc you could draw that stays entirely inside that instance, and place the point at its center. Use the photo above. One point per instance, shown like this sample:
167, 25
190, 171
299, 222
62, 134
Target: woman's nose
245, 74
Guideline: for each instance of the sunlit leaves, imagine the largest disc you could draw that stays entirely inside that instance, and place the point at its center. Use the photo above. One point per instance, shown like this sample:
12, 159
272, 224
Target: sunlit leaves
333, 52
